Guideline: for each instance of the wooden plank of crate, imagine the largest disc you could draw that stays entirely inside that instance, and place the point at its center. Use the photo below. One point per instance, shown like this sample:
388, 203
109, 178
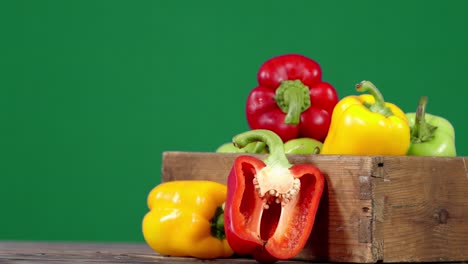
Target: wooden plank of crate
425, 211
343, 229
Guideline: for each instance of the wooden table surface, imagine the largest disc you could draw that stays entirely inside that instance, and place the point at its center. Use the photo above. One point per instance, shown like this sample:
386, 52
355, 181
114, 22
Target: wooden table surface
73, 252
18, 252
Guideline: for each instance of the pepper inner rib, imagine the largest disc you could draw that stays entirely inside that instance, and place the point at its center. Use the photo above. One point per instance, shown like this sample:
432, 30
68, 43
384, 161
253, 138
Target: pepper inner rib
266, 193
276, 185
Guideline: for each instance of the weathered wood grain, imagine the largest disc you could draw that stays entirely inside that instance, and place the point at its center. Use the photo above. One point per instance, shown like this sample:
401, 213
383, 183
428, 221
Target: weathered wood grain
343, 226
17, 252
425, 214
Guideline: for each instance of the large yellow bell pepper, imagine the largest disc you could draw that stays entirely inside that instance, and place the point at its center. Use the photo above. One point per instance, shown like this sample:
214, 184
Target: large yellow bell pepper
367, 125
186, 219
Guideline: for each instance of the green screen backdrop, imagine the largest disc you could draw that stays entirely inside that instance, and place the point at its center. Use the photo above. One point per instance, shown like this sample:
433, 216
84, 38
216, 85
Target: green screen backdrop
92, 92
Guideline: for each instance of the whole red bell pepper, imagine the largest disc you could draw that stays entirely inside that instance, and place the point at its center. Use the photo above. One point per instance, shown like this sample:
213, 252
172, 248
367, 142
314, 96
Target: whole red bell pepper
271, 205
291, 99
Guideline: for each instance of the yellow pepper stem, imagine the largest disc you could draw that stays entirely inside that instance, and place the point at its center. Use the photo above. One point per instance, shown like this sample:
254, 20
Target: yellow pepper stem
217, 223
379, 105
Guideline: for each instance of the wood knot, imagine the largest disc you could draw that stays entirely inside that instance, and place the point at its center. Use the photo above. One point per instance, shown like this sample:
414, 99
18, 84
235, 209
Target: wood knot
441, 216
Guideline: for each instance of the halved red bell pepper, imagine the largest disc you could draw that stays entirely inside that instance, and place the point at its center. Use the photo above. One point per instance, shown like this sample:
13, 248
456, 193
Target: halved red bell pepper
291, 99
271, 204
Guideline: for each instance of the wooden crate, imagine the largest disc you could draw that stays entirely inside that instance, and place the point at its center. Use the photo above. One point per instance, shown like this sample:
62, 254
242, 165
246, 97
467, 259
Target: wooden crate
375, 208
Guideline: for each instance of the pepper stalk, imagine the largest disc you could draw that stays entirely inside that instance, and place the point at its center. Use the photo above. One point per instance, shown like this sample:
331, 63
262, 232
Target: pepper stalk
422, 131
379, 105
217, 223
292, 97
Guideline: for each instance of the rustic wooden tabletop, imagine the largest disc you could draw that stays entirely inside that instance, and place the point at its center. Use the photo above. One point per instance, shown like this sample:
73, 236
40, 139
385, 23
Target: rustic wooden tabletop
73, 252
23, 252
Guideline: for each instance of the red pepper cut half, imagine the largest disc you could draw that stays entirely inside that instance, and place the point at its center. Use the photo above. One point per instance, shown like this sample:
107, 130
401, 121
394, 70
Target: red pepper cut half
291, 99
271, 205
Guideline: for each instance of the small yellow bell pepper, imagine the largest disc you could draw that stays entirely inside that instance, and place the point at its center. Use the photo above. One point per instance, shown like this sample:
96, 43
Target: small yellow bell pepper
186, 219
367, 125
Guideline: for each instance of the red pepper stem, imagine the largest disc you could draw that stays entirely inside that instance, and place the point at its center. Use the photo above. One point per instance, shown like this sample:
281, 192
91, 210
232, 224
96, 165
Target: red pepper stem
379, 105
292, 96
422, 131
276, 156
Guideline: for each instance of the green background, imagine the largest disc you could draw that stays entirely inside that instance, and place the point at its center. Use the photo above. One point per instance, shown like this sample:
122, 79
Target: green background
92, 92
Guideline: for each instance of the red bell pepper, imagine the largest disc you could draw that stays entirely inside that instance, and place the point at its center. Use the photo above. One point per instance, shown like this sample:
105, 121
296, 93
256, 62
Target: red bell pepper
291, 99
271, 205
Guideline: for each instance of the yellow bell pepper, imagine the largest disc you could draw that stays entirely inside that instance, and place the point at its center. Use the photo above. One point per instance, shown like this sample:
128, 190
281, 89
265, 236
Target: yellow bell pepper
367, 125
186, 219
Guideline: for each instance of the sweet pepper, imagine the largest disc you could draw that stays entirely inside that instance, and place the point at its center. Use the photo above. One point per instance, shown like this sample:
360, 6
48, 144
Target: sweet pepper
303, 146
186, 219
254, 147
271, 204
431, 135
367, 125
291, 99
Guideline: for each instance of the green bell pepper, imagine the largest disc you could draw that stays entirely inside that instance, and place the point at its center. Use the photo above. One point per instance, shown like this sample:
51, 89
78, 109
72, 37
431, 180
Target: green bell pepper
254, 147
431, 135
303, 146
293, 146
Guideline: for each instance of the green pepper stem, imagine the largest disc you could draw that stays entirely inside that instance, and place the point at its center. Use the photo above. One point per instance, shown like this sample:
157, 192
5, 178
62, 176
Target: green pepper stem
316, 150
217, 223
259, 147
293, 98
422, 131
276, 156
379, 105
